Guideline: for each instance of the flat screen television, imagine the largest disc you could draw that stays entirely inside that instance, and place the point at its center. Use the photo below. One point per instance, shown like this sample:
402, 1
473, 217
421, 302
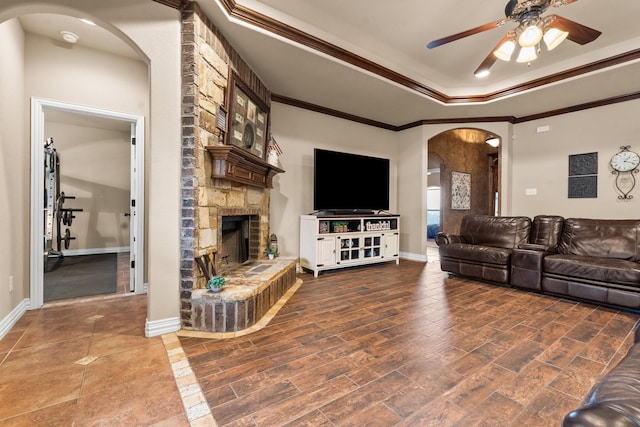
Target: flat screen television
349, 183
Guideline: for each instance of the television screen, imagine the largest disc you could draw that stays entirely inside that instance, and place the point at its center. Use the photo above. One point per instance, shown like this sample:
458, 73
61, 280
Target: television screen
349, 182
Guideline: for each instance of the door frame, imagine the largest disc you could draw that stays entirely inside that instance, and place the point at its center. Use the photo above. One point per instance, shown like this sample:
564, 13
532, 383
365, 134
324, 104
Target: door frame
36, 267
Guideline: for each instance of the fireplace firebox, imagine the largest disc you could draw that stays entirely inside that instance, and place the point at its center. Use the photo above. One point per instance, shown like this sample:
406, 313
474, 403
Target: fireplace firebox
239, 239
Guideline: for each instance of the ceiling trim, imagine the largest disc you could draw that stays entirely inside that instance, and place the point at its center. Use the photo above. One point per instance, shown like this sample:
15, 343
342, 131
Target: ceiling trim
276, 27
328, 111
176, 4
601, 103
553, 78
510, 119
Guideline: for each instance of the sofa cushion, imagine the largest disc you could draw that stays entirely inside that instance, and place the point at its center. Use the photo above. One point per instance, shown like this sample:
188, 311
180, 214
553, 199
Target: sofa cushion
496, 231
601, 238
546, 230
483, 254
615, 400
599, 269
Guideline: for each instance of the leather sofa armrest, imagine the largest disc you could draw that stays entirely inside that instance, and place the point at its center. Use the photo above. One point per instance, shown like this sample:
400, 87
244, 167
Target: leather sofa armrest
443, 238
526, 266
597, 416
537, 247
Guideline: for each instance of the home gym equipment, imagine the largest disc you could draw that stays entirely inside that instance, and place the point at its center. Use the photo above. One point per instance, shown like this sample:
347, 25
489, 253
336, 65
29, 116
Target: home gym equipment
54, 209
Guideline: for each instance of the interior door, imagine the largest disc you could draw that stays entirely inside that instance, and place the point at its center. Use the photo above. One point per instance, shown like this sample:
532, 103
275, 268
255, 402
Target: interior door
133, 231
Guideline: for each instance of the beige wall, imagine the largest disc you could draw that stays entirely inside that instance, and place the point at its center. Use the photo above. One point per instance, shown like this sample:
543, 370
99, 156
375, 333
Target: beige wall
154, 31
95, 169
14, 162
412, 185
298, 132
540, 161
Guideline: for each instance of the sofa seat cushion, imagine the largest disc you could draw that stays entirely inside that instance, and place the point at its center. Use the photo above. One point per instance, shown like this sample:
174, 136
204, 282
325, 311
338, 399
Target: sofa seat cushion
477, 253
599, 269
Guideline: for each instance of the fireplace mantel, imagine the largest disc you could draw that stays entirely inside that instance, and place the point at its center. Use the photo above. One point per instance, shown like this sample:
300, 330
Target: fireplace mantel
235, 164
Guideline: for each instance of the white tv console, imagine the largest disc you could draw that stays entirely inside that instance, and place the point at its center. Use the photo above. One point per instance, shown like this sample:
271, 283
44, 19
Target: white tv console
329, 242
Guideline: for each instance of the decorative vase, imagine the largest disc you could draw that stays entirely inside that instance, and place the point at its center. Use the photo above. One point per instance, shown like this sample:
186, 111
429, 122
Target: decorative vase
215, 289
270, 256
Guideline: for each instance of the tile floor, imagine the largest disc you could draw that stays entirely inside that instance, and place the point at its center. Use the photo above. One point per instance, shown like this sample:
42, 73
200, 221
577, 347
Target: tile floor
406, 345
87, 364
383, 345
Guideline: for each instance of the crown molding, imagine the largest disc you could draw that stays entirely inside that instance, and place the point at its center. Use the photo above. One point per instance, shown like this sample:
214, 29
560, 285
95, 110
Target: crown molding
176, 4
276, 27
454, 120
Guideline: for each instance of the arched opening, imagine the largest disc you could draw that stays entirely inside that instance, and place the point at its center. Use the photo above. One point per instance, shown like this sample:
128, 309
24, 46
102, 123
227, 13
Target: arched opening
468, 175
65, 61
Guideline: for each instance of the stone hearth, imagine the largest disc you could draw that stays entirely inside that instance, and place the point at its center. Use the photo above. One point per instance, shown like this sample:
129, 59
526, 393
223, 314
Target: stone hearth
252, 290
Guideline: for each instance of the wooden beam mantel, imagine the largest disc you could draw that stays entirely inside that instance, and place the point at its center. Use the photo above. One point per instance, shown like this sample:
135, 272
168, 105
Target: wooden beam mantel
235, 164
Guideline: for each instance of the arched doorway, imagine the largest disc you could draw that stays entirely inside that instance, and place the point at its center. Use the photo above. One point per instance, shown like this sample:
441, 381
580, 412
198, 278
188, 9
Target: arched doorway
468, 175
72, 66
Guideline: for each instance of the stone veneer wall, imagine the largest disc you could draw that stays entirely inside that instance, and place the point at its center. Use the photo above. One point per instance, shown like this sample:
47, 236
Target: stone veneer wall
207, 59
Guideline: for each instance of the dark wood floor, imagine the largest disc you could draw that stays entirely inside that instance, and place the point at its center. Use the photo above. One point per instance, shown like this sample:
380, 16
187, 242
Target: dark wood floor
405, 344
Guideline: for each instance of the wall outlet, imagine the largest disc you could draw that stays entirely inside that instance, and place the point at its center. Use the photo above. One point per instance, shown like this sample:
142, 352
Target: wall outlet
10, 284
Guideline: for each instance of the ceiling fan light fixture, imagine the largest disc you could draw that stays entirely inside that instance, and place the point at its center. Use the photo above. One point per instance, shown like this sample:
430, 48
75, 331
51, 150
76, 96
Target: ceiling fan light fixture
505, 50
553, 37
527, 54
531, 36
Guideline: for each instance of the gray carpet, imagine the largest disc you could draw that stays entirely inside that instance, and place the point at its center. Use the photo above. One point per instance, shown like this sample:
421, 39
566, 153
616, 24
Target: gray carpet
80, 276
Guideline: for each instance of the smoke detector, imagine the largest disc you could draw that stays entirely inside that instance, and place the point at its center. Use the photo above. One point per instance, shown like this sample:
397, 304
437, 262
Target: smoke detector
69, 37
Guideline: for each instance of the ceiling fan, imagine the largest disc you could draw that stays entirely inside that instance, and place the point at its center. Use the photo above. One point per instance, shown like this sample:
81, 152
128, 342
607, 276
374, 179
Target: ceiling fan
531, 30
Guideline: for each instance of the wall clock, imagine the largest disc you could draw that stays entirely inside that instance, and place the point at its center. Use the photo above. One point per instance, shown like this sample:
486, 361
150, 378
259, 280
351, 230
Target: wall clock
625, 166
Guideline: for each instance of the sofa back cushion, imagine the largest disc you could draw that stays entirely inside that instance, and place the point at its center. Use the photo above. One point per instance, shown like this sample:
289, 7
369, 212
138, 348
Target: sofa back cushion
496, 231
546, 230
609, 238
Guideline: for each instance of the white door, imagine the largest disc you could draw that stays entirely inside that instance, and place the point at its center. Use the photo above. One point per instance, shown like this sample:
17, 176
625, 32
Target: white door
136, 235
132, 212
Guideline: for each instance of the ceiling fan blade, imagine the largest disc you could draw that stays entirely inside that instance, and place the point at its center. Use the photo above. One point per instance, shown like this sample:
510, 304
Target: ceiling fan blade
458, 36
578, 33
491, 58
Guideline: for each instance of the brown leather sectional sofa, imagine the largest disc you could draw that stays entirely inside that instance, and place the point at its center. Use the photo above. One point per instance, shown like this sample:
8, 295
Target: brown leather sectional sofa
484, 246
615, 400
596, 260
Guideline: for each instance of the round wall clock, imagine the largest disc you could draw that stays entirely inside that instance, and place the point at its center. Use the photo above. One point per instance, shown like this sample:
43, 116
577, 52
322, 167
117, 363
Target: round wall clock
625, 166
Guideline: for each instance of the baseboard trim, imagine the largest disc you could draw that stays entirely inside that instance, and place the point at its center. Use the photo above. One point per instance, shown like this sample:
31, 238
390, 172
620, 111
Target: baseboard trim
155, 328
7, 323
413, 257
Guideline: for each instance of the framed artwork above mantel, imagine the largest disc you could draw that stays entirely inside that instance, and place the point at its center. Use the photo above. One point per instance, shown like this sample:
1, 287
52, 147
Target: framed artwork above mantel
248, 118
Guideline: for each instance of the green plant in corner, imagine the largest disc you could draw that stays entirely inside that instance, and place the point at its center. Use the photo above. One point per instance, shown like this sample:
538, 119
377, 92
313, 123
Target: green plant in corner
270, 252
216, 283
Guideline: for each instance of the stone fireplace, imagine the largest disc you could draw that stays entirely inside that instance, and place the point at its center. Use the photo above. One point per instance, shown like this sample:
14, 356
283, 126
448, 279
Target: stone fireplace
224, 192
239, 239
